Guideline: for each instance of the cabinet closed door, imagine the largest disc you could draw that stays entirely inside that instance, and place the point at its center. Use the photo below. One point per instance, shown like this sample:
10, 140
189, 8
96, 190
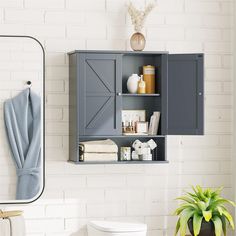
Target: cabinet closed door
99, 86
185, 90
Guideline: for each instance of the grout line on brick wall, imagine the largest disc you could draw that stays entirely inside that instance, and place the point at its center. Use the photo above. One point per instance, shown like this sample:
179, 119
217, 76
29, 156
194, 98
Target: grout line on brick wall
184, 6
106, 5
4, 15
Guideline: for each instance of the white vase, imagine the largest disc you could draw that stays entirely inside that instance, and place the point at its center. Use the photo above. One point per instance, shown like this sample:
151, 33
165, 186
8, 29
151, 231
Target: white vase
132, 83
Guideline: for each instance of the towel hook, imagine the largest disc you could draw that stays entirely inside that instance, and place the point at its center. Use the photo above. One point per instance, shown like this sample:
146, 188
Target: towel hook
29, 83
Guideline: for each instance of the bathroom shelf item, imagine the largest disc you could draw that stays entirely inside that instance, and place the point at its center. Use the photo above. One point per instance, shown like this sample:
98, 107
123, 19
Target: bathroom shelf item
121, 136
98, 93
141, 95
120, 162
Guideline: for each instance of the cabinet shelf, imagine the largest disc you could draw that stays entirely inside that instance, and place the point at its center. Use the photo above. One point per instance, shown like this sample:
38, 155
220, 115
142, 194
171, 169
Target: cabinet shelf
141, 95
118, 162
122, 136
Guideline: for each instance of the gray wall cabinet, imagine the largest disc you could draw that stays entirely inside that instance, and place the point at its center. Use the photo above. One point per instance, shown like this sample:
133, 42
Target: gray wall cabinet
98, 94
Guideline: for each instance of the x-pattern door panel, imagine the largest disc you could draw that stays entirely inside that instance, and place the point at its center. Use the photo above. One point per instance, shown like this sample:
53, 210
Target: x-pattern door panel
101, 104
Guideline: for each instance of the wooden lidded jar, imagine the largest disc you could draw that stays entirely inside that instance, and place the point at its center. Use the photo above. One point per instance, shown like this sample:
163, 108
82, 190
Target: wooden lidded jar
149, 78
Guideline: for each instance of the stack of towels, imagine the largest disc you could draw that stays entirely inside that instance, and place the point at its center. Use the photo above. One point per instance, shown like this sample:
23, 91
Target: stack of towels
98, 150
12, 226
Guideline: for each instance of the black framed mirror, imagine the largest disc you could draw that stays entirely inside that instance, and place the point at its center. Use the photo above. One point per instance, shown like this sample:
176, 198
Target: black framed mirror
22, 120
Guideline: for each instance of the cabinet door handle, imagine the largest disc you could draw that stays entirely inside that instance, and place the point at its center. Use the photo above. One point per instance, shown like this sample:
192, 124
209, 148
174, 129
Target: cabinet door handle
200, 93
118, 94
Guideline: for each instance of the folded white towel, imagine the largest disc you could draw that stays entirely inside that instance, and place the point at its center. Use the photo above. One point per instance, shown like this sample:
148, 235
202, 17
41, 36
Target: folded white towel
5, 228
17, 224
99, 156
99, 146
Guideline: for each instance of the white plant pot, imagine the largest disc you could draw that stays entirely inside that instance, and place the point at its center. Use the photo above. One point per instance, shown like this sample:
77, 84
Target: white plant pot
132, 83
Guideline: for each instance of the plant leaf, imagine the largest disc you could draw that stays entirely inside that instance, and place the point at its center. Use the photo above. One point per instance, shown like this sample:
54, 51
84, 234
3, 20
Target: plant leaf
207, 192
186, 199
220, 210
218, 191
197, 222
224, 227
201, 205
229, 218
190, 205
221, 201
192, 195
195, 191
218, 225
181, 208
177, 227
185, 216
200, 192
207, 215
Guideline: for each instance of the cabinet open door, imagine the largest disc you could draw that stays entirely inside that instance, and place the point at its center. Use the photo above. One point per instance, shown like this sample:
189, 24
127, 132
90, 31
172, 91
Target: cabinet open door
185, 95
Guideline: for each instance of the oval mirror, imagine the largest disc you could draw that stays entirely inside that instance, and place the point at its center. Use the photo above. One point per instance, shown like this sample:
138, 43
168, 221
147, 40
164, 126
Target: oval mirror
22, 75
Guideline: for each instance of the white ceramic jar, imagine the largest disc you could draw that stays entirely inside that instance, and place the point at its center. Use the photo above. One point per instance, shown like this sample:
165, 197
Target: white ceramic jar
132, 83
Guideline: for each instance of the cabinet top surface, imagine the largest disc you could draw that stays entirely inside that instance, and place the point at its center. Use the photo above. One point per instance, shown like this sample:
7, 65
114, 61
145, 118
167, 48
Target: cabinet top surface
117, 52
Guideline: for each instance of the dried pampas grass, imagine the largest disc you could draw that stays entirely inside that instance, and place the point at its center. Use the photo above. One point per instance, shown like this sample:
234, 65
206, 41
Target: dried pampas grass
138, 17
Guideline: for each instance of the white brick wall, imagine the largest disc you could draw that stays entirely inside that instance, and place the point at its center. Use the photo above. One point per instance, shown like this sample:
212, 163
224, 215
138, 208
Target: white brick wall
76, 194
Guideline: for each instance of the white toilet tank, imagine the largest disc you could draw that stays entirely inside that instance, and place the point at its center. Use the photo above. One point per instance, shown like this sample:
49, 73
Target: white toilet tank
110, 228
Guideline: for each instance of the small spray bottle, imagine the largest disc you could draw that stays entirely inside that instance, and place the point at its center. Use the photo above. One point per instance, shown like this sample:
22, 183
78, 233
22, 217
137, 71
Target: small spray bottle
141, 86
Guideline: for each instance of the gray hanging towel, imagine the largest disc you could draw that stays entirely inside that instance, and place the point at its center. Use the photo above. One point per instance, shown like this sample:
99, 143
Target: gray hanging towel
22, 115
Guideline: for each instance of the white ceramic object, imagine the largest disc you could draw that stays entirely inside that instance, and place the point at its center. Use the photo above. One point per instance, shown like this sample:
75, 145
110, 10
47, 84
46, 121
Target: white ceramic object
110, 228
132, 83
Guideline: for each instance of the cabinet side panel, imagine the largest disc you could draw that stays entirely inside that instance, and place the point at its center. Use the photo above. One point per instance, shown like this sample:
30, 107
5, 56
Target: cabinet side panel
73, 108
201, 92
164, 93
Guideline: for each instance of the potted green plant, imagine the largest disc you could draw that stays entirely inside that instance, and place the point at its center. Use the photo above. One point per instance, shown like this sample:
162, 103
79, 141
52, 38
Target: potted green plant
204, 212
